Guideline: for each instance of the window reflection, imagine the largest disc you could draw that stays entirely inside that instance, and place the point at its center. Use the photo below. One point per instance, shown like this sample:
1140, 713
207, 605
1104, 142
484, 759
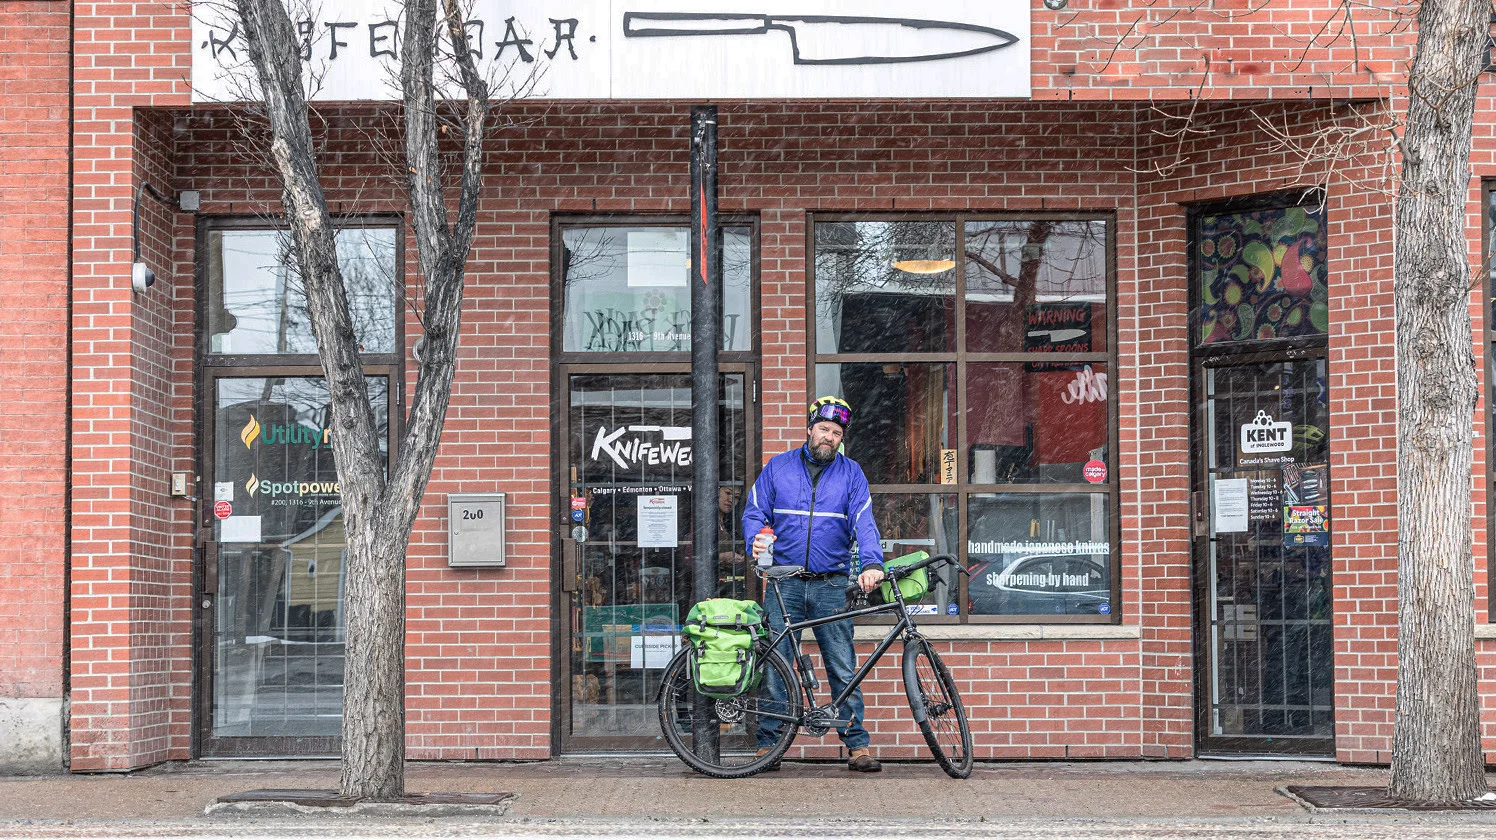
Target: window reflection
1039, 554
278, 660
910, 522
885, 287
1036, 422
257, 300
904, 415
1036, 286
626, 289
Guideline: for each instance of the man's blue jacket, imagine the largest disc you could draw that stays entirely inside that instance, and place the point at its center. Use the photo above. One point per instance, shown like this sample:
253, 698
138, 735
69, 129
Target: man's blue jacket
814, 527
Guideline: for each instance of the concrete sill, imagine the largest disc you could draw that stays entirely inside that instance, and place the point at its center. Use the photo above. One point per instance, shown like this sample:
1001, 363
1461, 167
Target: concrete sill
1485, 631
1016, 632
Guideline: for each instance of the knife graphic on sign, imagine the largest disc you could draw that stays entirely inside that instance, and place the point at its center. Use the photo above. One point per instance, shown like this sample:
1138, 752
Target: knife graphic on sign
832, 39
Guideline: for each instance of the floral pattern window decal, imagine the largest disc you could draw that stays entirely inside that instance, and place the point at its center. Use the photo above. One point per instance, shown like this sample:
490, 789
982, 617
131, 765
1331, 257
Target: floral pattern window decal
1263, 275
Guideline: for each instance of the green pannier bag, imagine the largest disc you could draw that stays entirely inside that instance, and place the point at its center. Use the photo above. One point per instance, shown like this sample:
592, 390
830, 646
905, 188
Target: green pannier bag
913, 587
721, 633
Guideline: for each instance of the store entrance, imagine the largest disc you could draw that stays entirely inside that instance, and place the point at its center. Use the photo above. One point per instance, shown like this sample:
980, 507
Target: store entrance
626, 539
1264, 635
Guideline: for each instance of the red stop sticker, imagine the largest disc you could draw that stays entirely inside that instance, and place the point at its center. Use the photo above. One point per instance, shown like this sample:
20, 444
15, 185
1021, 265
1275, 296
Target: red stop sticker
223, 510
1094, 471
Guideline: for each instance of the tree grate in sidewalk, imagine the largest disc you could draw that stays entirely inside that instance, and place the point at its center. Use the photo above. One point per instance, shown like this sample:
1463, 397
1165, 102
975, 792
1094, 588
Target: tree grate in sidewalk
330, 798
1316, 797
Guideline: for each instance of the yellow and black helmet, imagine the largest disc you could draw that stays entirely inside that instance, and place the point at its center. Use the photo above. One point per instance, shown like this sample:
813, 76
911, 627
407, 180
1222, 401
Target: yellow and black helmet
833, 409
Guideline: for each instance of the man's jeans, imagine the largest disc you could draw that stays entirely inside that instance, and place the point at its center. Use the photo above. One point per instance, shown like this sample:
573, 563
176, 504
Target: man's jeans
808, 599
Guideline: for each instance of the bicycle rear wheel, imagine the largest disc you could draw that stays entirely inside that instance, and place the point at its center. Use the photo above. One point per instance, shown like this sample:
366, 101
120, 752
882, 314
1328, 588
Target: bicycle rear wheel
937, 708
736, 719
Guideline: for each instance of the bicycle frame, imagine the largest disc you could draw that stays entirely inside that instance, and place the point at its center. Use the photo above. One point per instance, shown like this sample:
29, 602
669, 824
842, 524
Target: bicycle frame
902, 627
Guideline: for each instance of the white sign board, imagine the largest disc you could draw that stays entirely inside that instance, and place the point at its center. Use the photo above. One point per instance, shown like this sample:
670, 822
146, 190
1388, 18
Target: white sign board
654, 49
1264, 435
1230, 505
657, 522
654, 651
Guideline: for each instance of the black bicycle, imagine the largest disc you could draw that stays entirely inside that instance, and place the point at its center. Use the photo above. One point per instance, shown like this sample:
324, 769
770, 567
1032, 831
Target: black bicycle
686, 716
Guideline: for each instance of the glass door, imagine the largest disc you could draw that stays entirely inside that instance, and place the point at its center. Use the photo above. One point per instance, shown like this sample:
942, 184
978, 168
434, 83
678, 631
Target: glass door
1263, 535
627, 540
272, 592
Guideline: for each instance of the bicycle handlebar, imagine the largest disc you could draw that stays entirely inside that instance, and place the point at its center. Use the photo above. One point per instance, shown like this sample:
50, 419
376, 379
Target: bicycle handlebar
904, 571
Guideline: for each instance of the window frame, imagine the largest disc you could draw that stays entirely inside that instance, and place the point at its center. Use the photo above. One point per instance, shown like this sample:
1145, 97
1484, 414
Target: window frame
1488, 348
963, 489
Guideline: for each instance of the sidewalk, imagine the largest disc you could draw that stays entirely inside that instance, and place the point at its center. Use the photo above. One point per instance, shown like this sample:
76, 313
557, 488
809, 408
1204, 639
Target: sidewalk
627, 789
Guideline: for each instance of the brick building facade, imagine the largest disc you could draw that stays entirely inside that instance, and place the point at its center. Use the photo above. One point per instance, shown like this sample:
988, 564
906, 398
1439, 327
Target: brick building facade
118, 648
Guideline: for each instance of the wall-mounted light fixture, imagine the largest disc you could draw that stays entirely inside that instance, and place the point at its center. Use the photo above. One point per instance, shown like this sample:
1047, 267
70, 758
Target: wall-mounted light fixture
141, 275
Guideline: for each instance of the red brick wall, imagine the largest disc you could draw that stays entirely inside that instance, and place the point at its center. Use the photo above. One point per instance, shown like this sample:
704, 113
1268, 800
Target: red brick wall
479, 649
33, 345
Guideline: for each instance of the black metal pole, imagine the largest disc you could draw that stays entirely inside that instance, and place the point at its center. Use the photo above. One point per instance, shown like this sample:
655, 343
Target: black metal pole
705, 297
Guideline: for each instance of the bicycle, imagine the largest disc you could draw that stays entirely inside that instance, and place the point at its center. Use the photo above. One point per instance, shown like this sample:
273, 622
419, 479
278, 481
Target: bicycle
686, 715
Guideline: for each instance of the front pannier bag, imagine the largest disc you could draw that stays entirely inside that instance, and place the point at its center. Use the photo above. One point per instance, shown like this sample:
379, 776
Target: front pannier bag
912, 587
722, 633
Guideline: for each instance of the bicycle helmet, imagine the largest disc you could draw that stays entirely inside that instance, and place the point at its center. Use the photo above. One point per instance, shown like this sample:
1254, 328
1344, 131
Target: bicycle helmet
833, 409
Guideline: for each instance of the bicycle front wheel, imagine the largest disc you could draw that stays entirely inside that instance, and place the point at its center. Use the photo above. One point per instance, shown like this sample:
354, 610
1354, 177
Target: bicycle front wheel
684, 712
937, 708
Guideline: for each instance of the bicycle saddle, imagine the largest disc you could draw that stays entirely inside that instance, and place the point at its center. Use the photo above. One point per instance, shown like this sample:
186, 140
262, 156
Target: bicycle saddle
783, 571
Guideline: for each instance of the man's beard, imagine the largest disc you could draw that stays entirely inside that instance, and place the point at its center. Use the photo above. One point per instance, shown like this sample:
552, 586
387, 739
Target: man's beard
823, 453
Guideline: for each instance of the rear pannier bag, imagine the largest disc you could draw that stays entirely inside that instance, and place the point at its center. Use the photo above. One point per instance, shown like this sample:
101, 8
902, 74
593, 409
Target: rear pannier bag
721, 633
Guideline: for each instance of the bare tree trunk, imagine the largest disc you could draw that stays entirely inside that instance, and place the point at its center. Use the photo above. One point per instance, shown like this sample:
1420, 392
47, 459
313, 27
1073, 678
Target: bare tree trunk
378, 510
1436, 752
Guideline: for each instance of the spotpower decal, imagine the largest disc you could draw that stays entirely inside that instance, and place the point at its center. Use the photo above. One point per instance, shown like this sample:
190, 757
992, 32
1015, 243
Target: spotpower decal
292, 492
295, 434
651, 445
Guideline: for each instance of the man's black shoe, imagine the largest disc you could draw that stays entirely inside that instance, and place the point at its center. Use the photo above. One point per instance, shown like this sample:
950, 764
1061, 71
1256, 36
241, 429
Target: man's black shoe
863, 762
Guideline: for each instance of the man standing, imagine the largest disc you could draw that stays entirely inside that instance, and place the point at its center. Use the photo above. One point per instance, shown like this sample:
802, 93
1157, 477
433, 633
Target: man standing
817, 502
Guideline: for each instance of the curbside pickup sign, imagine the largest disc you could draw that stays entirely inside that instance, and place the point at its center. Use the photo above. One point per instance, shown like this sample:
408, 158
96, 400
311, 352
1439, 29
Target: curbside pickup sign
1265, 435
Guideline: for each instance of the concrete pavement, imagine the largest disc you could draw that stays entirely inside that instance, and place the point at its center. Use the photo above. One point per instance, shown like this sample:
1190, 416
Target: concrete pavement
653, 796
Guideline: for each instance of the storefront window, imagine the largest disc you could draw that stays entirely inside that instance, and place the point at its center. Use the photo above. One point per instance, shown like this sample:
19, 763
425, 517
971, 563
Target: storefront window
1036, 286
1039, 554
910, 522
257, 301
627, 289
1018, 444
885, 287
1038, 422
905, 417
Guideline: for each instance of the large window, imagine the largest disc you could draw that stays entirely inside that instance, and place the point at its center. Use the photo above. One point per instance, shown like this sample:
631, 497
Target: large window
271, 510
976, 353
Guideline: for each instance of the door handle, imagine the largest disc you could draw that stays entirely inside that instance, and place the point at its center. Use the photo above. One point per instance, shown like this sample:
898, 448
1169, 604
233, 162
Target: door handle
1200, 526
570, 573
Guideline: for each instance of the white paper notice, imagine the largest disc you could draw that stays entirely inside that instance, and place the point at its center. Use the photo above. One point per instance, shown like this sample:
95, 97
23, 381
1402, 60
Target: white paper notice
652, 651
223, 491
657, 522
1230, 506
658, 258
239, 529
